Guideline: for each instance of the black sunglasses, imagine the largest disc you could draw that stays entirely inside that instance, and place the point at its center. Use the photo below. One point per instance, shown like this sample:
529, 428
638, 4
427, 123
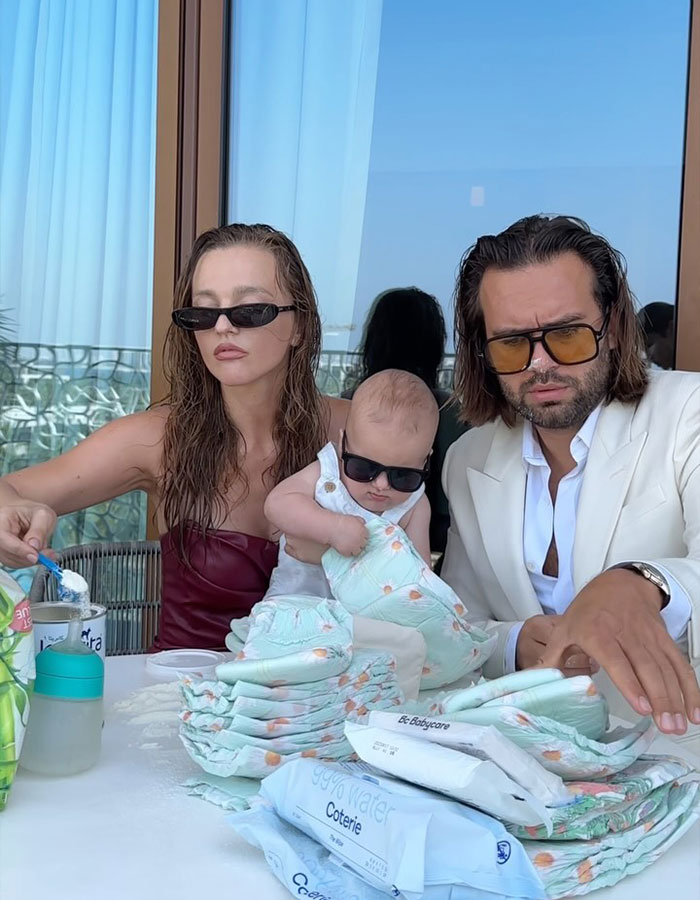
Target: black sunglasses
567, 345
400, 478
248, 315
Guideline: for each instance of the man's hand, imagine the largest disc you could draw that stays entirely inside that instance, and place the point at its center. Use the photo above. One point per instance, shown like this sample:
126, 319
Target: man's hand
25, 529
532, 641
616, 620
350, 535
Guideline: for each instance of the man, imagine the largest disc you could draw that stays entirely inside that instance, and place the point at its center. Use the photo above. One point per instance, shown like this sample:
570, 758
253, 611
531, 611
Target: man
575, 507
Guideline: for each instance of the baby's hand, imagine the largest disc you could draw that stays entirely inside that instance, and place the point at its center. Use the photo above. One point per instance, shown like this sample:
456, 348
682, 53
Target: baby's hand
350, 535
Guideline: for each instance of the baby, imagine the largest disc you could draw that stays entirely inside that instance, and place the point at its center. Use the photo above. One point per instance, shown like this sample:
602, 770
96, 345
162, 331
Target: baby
380, 469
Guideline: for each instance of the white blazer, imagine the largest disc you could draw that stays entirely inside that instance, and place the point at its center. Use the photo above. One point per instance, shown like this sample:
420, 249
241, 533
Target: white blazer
640, 500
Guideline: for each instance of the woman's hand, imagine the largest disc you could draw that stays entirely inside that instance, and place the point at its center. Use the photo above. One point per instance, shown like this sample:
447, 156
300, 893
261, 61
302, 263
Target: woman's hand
25, 530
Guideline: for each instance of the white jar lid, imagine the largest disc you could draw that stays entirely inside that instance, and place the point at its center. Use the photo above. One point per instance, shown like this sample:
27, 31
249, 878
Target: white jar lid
168, 665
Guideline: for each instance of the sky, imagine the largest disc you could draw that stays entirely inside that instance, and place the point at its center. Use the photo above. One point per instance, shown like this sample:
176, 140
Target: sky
485, 112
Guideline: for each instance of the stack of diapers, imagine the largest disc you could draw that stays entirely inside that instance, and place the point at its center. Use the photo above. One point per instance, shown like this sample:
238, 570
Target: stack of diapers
338, 831
559, 721
390, 581
287, 694
617, 826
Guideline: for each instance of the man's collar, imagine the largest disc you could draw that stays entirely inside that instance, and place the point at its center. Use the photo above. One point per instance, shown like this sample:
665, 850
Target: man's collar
532, 451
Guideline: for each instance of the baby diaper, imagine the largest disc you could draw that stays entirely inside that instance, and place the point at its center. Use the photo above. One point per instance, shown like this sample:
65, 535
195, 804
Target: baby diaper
564, 751
543, 713
575, 702
254, 762
572, 868
232, 793
398, 838
288, 644
390, 581
460, 776
616, 803
483, 742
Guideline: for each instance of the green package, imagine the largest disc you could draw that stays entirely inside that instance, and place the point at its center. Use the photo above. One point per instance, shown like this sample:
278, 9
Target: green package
16, 677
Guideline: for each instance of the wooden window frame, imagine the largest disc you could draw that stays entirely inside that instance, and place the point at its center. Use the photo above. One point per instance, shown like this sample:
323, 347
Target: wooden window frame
688, 310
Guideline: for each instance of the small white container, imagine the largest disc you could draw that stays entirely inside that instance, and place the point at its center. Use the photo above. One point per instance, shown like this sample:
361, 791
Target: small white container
169, 665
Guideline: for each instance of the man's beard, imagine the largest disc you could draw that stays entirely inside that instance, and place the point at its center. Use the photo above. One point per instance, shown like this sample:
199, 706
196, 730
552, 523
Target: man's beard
589, 391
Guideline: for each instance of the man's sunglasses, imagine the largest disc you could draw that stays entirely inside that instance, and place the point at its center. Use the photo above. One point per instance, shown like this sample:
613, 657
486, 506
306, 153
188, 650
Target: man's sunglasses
400, 478
568, 345
248, 315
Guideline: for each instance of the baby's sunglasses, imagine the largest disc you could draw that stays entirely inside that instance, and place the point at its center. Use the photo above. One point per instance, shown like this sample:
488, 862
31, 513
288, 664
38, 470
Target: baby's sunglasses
400, 478
567, 345
247, 315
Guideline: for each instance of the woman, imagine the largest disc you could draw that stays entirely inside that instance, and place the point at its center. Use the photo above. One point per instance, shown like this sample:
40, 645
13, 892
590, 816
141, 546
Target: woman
405, 329
243, 413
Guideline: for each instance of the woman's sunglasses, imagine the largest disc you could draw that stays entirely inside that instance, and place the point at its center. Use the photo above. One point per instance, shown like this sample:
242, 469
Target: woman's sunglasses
400, 478
568, 345
248, 315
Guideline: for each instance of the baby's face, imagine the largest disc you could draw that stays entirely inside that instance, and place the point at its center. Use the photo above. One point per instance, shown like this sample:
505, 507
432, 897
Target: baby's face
389, 445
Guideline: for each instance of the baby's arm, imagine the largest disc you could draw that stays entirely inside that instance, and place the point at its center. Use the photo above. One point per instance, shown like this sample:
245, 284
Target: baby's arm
416, 524
292, 507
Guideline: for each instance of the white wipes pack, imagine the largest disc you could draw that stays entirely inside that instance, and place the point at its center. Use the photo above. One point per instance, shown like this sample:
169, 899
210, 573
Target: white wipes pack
398, 838
484, 742
477, 782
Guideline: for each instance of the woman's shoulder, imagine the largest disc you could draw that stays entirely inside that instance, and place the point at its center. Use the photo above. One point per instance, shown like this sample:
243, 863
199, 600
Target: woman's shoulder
337, 409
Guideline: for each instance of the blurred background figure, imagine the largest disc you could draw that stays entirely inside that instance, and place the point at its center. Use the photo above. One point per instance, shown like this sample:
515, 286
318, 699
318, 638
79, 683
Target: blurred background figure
405, 329
658, 323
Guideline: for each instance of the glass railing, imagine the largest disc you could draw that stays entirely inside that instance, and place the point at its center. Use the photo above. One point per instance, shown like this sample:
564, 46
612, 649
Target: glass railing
51, 397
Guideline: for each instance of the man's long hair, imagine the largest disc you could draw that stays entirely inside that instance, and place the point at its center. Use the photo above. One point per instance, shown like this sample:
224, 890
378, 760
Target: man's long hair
533, 240
203, 449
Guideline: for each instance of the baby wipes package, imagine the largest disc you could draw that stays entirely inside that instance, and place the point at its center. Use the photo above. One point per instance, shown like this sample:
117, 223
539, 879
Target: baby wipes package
483, 742
398, 838
16, 677
478, 782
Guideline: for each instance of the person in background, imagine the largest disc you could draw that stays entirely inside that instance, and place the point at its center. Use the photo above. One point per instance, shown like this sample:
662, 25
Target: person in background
405, 329
243, 414
575, 498
658, 321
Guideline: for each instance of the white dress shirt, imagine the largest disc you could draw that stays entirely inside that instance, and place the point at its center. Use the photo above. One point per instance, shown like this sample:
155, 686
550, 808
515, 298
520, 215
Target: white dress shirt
544, 519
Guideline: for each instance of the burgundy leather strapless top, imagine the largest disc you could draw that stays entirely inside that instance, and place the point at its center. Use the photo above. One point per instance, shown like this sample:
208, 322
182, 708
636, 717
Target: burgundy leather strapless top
228, 573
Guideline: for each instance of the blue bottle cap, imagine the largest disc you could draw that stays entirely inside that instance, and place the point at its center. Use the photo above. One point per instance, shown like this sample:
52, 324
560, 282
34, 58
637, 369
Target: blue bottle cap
70, 671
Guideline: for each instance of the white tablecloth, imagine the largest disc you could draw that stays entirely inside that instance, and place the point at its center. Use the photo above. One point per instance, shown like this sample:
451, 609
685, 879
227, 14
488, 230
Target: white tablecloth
127, 830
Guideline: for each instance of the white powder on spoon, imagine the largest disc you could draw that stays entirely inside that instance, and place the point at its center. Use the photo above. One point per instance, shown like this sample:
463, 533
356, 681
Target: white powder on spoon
74, 589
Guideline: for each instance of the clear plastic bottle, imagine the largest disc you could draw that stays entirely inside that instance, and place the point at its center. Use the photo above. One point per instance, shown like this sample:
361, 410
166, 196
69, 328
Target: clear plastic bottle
64, 733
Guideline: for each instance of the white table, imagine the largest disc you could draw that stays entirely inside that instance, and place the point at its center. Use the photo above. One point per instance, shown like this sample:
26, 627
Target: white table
127, 830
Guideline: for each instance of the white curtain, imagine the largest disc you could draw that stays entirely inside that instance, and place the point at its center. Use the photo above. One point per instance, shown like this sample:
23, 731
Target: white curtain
302, 110
77, 158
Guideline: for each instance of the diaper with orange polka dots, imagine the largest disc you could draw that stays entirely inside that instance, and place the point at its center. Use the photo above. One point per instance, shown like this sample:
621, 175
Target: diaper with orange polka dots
559, 721
390, 581
291, 644
638, 795
368, 669
253, 761
575, 702
575, 867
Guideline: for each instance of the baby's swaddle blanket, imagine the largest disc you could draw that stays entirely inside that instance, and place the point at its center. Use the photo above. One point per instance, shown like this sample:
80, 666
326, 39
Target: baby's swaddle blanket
287, 695
390, 581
